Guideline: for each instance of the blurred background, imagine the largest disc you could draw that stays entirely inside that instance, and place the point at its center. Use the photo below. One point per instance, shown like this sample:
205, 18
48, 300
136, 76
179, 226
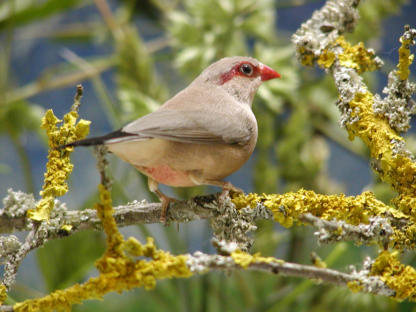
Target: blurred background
130, 57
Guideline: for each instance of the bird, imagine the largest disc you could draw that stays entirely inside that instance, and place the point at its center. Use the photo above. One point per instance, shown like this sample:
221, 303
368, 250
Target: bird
201, 135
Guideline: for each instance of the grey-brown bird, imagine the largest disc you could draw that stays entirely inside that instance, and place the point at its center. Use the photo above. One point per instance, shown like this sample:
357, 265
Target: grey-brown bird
200, 136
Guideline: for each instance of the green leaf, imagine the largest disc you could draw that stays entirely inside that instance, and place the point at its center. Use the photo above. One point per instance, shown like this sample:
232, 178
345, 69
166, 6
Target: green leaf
207, 30
20, 12
139, 90
66, 261
19, 116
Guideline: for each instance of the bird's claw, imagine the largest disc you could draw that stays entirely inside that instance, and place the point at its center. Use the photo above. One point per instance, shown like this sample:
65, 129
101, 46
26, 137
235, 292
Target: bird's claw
166, 200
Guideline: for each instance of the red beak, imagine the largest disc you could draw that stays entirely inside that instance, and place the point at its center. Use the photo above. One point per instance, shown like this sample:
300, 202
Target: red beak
267, 73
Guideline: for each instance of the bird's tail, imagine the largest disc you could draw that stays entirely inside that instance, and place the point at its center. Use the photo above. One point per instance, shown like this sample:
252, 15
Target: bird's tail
118, 134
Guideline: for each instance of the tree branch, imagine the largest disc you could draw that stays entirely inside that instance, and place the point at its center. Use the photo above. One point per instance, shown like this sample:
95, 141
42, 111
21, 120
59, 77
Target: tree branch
201, 263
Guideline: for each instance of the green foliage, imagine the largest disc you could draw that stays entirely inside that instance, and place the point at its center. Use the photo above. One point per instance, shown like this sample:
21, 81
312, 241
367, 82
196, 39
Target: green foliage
207, 30
139, 92
20, 116
19, 12
67, 261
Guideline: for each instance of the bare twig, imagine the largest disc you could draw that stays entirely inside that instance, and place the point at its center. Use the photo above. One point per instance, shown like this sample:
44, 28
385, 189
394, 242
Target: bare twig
56, 81
108, 18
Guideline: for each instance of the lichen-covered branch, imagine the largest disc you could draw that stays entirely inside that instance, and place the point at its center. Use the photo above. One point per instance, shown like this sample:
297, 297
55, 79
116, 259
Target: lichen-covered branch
377, 230
362, 218
54, 185
361, 112
58, 167
15, 204
127, 263
375, 120
145, 273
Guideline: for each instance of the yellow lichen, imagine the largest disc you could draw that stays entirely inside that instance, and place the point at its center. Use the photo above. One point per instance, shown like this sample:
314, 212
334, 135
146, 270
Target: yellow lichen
399, 277
66, 227
287, 207
355, 286
307, 58
357, 56
124, 276
318, 262
119, 269
58, 167
407, 204
405, 59
326, 59
3, 293
244, 259
399, 170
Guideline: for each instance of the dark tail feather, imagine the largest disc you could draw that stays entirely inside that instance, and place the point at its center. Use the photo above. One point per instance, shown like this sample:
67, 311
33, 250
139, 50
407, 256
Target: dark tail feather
98, 140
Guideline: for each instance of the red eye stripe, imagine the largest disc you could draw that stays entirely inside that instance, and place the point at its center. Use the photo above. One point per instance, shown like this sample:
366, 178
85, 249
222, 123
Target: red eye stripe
235, 71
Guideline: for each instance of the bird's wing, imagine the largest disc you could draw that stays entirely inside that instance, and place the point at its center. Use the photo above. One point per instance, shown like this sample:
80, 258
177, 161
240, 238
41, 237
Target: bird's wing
193, 126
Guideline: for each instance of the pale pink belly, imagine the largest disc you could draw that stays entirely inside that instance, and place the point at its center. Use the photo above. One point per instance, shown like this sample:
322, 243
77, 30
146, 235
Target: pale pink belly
166, 175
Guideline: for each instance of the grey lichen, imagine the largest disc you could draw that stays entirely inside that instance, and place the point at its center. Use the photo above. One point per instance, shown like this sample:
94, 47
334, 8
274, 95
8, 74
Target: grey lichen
335, 18
234, 226
348, 83
399, 148
200, 262
371, 284
100, 152
8, 245
57, 218
378, 230
397, 106
15, 204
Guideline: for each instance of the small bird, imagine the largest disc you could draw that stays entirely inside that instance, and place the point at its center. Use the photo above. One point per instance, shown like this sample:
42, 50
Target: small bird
200, 136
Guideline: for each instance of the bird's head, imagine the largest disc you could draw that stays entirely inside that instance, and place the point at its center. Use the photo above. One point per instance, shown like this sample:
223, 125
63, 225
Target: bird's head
240, 76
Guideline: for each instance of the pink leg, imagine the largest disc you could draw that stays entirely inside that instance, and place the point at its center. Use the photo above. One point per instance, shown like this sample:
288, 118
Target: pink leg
165, 200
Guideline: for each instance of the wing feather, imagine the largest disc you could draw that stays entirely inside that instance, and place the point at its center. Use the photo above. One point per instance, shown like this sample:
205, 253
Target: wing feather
191, 126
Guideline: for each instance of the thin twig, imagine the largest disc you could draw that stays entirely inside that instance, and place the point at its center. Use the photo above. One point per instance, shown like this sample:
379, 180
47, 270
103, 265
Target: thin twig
34, 239
108, 17
56, 81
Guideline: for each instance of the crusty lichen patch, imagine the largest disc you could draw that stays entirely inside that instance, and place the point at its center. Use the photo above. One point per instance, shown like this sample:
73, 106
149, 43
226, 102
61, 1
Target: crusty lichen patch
244, 259
355, 286
3, 293
122, 273
405, 57
119, 267
58, 167
357, 56
287, 208
396, 168
399, 277
351, 56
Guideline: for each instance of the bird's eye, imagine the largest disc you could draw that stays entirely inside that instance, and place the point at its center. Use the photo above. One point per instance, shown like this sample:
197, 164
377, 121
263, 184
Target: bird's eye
246, 69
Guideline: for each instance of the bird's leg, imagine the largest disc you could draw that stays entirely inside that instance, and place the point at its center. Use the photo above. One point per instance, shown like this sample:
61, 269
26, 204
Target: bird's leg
165, 200
226, 188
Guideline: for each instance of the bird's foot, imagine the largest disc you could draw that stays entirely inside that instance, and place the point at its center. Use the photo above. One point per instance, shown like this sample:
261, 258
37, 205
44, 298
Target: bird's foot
166, 200
228, 188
